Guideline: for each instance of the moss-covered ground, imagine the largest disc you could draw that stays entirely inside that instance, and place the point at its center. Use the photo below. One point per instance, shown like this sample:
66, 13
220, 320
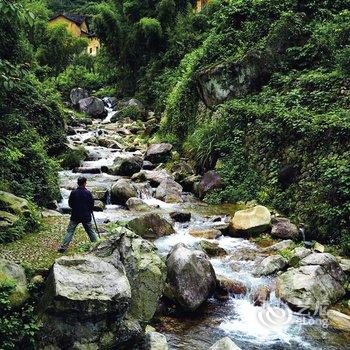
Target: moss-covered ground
38, 251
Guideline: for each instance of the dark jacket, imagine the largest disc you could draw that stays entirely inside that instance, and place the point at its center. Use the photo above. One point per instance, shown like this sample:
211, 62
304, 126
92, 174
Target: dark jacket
82, 204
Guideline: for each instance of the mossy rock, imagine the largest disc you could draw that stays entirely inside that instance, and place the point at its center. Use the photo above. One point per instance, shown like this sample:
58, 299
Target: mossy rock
13, 275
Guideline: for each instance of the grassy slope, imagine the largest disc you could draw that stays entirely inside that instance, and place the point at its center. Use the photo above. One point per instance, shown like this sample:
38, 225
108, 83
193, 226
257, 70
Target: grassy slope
38, 251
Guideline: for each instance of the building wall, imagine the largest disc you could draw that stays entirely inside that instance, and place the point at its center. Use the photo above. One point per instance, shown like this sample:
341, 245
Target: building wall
200, 4
94, 46
71, 26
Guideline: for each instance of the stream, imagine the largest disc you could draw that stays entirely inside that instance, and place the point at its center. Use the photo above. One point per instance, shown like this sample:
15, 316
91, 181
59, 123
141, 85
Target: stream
250, 327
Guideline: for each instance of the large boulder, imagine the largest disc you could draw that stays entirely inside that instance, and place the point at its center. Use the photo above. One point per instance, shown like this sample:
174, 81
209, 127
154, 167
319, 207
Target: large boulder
122, 190
13, 204
93, 107
169, 191
78, 94
328, 262
144, 269
85, 300
225, 344
151, 226
190, 277
155, 177
283, 228
158, 152
270, 265
315, 285
209, 182
137, 204
249, 221
126, 166
133, 102
180, 216
11, 272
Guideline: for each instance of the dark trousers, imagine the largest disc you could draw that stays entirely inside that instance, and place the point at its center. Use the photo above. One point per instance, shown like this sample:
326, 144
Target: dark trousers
71, 230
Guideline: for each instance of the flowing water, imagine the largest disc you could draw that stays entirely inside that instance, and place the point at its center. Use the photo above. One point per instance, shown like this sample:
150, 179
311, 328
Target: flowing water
250, 327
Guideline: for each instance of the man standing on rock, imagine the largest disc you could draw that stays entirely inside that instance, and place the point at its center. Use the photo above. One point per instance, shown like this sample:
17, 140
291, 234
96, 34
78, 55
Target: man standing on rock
82, 204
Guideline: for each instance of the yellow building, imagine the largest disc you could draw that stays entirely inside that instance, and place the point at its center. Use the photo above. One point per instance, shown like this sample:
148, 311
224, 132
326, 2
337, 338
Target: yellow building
200, 4
78, 26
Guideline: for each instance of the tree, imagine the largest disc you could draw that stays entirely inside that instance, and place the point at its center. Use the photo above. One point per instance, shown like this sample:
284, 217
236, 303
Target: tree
59, 47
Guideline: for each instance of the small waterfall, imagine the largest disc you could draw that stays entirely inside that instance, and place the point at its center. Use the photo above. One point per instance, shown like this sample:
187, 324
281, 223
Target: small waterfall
108, 198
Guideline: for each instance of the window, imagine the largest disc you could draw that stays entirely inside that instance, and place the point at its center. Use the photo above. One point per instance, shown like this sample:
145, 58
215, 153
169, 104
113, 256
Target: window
90, 49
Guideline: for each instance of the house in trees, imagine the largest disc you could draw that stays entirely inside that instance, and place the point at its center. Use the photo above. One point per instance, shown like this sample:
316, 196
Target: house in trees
199, 4
78, 26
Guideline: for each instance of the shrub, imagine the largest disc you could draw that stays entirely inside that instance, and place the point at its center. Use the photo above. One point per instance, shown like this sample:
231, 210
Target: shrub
72, 158
18, 325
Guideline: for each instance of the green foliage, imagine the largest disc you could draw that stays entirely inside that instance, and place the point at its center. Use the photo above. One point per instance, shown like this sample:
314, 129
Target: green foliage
18, 325
132, 112
59, 47
301, 51
77, 75
73, 158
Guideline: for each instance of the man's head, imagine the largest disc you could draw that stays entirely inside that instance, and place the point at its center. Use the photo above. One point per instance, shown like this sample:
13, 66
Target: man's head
82, 181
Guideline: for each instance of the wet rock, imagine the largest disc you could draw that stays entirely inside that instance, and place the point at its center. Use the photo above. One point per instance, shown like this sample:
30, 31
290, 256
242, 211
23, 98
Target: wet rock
250, 221
9, 271
99, 193
270, 265
87, 170
190, 277
209, 182
181, 216
122, 190
245, 254
261, 295
191, 184
286, 244
169, 191
225, 344
309, 287
78, 94
84, 298
155, 177
155, 341
144, 268
181, 171
211, 248
298, 254
158, 152
137, 204
205, 233
151, 226
99, 206
147, 165
338, 320
126, 166
93, 107
284, 229
328, 262
227, 287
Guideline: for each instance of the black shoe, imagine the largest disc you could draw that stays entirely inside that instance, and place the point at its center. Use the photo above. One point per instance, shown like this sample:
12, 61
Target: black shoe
61, 250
